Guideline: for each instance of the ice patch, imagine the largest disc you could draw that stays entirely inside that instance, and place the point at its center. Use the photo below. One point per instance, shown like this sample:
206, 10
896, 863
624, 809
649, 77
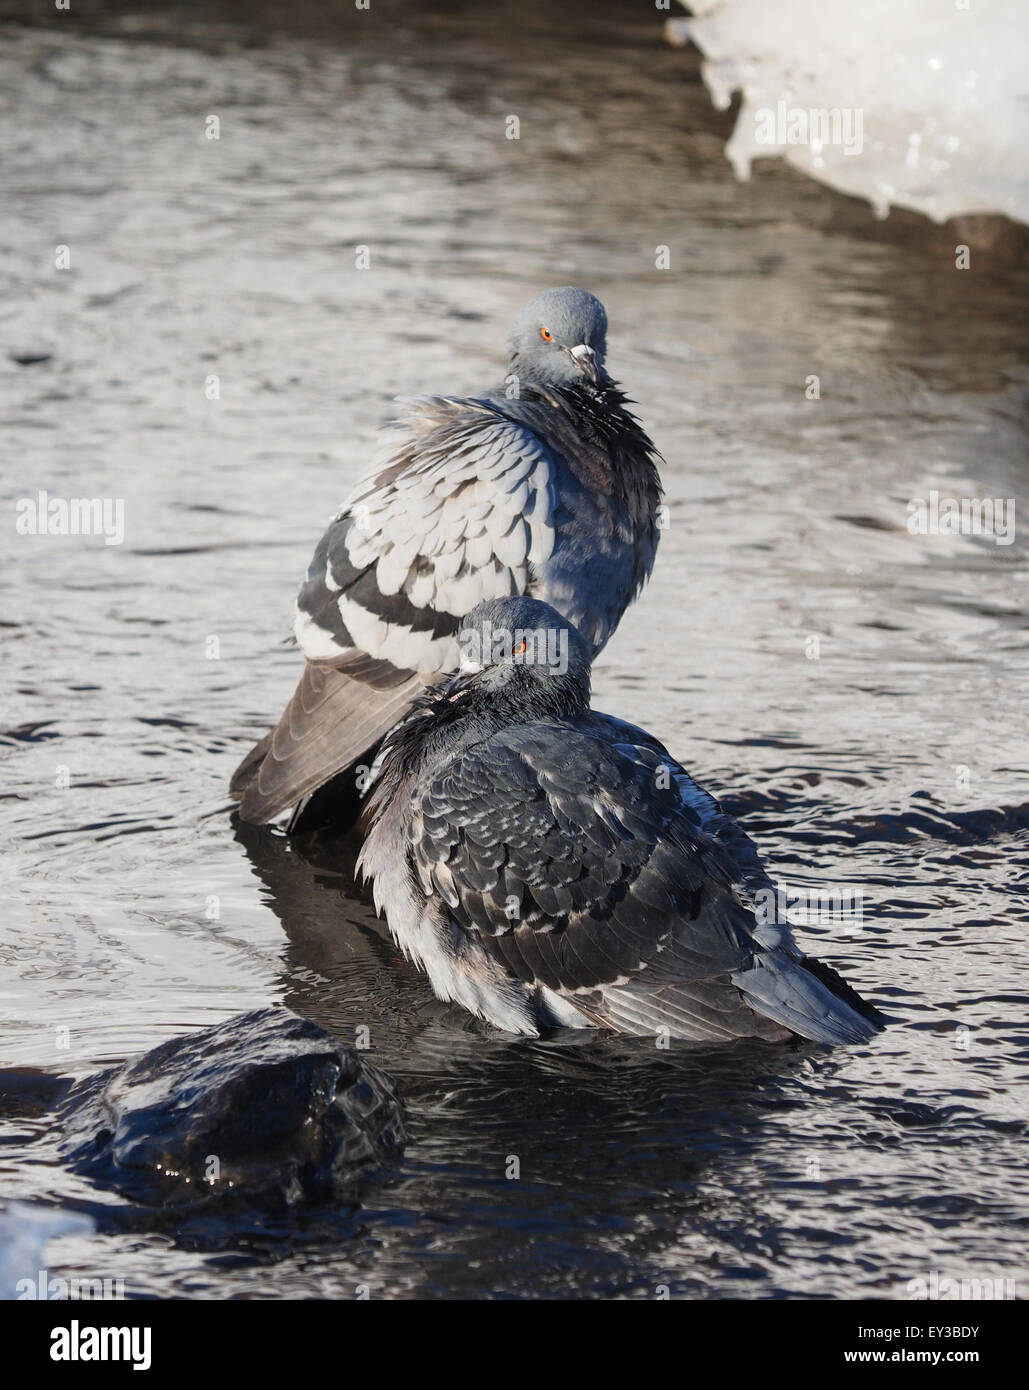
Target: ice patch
24, 1233
919, 103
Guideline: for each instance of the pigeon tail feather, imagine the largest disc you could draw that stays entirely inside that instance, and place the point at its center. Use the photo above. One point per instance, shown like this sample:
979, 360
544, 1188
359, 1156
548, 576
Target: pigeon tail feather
790, 993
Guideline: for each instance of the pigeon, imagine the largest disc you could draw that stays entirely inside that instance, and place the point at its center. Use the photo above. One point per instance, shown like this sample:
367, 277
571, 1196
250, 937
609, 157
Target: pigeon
546, 486
547, 865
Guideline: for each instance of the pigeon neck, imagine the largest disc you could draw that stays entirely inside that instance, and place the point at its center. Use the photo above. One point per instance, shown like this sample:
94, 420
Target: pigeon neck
443, 727
525, 379
601, 441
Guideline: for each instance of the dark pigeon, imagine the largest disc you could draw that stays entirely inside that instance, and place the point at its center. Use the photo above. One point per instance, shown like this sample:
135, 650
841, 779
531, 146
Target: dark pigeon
546, 486
546, 865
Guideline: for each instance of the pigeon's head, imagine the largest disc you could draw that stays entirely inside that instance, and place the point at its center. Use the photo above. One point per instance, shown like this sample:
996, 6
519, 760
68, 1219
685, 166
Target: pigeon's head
559, 339
520, 662
521, 658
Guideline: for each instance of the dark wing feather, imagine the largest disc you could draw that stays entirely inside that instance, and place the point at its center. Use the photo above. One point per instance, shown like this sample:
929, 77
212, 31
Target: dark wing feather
572, 866
582, 866
329, 723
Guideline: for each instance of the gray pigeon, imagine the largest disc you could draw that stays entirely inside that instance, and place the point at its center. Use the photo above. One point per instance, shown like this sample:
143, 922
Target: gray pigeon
546, 486
548, 865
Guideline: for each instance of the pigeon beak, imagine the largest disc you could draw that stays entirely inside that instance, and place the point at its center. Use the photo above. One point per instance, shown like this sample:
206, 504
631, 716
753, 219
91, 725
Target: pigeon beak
456, 687
586, 360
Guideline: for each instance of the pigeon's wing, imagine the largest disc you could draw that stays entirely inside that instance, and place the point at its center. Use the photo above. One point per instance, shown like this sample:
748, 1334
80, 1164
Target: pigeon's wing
582, 873
579, 871
780, 956
333, 721
457, 508
751, 881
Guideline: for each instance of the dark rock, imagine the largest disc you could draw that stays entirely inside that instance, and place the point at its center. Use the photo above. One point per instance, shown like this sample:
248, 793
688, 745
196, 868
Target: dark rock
265, 1107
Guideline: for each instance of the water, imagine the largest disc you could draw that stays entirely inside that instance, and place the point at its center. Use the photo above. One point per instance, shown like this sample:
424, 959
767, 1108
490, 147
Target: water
894, 763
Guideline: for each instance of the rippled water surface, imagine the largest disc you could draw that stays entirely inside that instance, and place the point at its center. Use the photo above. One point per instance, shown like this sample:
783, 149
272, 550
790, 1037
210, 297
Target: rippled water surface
857, 693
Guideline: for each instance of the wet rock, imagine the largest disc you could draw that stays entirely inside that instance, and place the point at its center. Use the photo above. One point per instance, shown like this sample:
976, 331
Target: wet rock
265, 1107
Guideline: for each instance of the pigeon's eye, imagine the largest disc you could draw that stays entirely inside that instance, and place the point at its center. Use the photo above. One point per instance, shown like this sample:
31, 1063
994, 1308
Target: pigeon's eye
522, 648
546, 335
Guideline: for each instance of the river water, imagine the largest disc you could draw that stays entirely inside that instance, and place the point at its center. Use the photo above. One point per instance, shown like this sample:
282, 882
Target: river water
855, 692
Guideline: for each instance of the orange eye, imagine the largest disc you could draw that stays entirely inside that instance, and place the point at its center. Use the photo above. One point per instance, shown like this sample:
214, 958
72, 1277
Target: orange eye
546, 335
522, 648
